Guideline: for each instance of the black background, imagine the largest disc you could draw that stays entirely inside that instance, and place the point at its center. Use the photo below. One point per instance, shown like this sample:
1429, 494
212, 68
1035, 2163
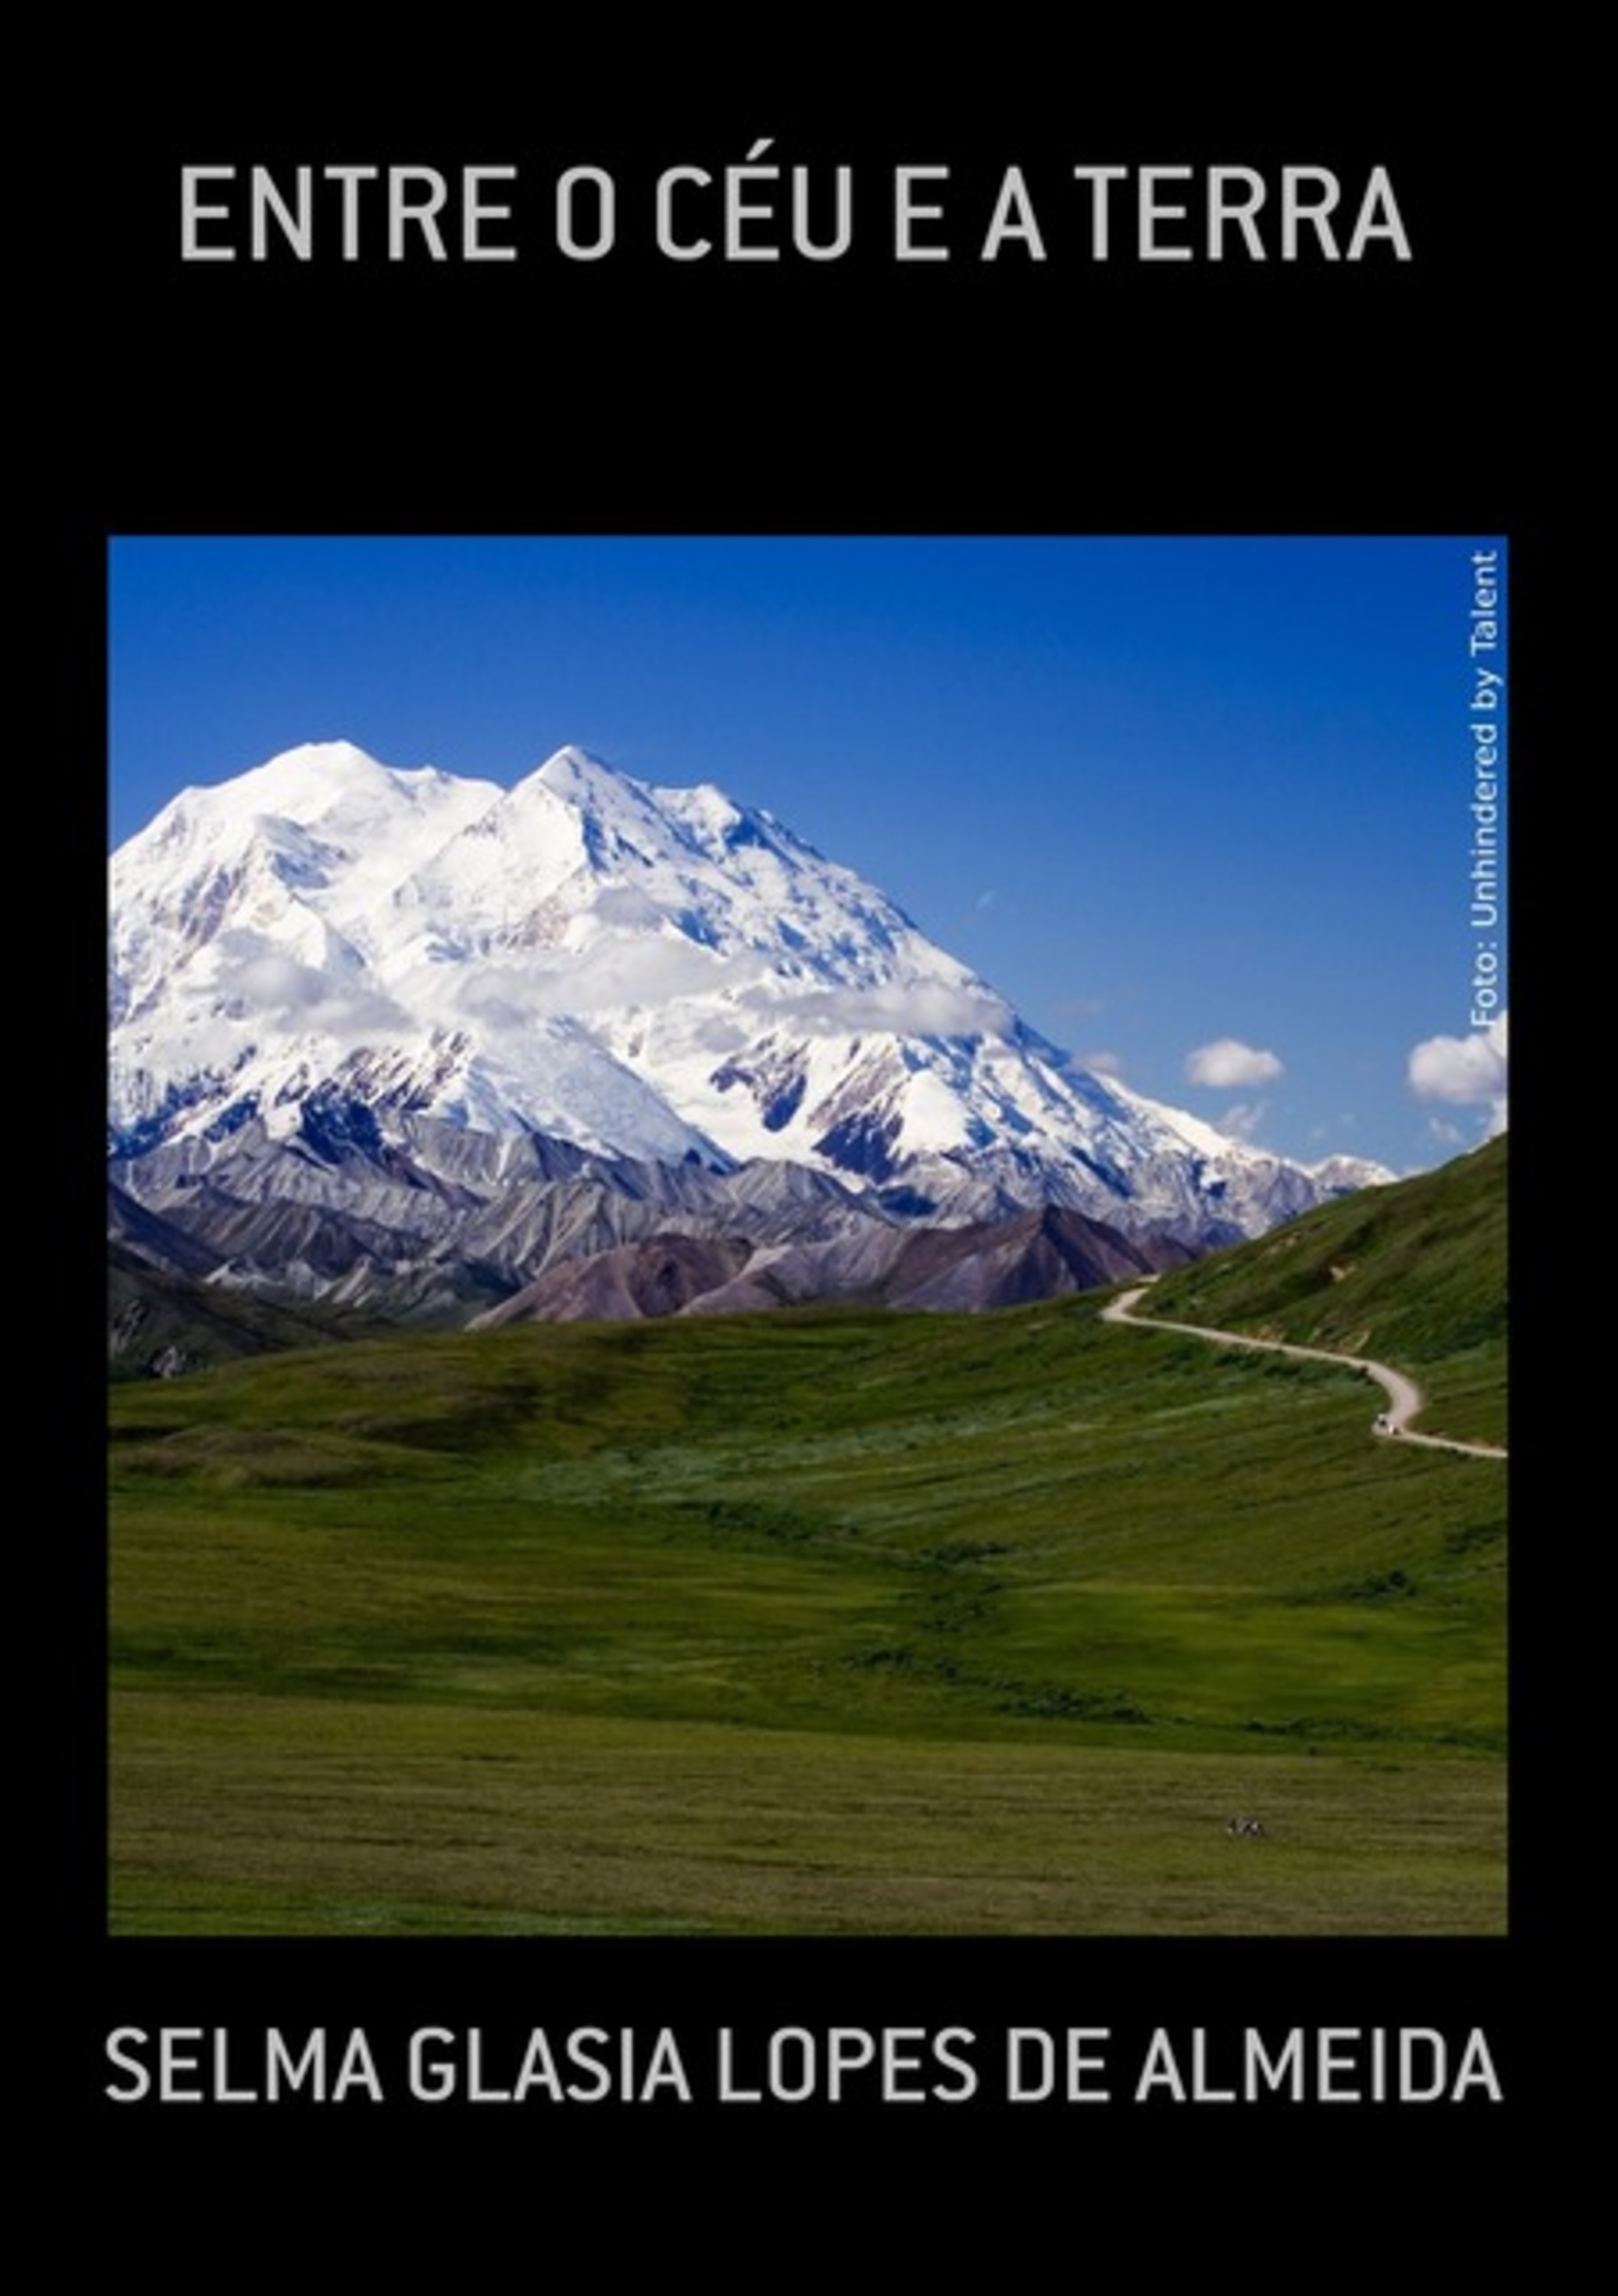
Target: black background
637, 395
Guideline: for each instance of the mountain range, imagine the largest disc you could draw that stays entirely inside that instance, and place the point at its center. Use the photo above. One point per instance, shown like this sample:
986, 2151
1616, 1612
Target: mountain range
407, 1040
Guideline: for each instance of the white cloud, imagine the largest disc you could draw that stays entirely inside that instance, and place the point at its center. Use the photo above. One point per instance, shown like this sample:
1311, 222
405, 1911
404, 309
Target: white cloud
1228, 1062
627, 907
278, 986
614, 972
719, 1034
619, 971
1468, 1072
278, 983
919, 1008
1101, 1063
1242, 1121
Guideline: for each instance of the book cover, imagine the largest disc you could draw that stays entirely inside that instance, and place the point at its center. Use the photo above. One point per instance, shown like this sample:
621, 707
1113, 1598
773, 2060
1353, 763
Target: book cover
1188, 321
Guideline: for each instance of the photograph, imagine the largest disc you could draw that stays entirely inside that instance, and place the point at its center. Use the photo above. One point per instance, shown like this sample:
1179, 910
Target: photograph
633, 1263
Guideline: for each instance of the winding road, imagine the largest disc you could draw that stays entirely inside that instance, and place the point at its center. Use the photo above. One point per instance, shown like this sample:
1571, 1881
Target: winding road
1405, 1398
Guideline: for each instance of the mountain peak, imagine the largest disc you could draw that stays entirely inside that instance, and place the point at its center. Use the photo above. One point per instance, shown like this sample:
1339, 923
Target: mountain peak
644, 972
306, 781
336, 756
614, 814
307, 768
571, 772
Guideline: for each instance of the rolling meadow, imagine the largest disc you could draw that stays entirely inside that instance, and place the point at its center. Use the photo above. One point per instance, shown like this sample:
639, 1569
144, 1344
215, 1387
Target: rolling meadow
832, 1620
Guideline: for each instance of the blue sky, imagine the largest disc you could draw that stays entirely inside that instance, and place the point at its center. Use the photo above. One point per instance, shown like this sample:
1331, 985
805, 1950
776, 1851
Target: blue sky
1164, 792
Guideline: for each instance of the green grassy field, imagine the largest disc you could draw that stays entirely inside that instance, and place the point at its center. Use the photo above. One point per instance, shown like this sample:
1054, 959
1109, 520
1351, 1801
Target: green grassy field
1413, 1275
798, 1623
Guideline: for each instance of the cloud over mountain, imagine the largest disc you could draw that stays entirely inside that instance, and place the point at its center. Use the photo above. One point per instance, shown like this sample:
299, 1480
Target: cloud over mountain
1226, 1062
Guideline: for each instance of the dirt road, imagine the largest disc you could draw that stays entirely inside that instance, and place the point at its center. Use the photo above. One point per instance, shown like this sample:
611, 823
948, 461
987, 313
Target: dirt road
1405, 1398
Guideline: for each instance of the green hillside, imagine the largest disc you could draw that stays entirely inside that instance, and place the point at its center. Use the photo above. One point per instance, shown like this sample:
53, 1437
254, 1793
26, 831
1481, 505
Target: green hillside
1414, 1275
796, 1622
158, 1325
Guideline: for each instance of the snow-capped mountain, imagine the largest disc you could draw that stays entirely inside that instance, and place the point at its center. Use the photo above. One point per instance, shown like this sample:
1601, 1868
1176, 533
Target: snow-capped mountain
332, 954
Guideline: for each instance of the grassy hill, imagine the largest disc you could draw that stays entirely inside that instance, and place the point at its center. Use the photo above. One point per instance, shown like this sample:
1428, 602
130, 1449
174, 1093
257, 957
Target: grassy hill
803, 1621
158, 1325
1414, 1275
